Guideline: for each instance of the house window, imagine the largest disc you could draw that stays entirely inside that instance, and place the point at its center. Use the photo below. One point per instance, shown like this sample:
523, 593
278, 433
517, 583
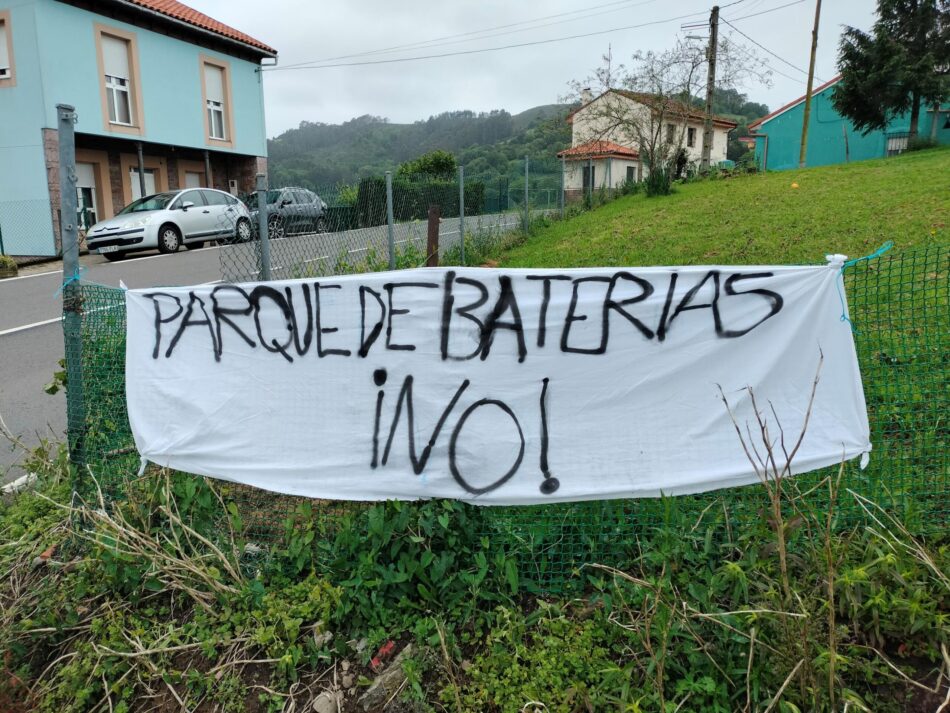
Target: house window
118, 80
670, 133
896, 143
136, 183
691, 137
86, 208
217, 107
631, 174
588, 177
6, 50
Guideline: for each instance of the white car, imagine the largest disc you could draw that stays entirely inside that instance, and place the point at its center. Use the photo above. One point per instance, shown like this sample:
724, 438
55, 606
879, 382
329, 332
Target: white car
169, 220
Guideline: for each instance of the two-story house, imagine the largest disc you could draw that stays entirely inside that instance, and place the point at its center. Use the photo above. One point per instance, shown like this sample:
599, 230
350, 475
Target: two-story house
606, 137
165, 98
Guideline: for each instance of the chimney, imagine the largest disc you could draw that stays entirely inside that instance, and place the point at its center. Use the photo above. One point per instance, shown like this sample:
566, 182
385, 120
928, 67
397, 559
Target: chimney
587, 95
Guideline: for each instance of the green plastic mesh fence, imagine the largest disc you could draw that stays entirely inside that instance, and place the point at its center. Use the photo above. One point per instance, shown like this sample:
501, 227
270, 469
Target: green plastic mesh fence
900, 308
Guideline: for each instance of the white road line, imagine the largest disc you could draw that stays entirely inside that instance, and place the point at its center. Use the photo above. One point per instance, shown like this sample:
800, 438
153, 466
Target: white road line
26, 277
13, 330
113, 264
24, 327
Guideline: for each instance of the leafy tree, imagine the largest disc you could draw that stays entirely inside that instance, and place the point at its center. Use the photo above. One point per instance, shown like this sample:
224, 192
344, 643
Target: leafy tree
319, 156
727, 100
435, 164
902, 62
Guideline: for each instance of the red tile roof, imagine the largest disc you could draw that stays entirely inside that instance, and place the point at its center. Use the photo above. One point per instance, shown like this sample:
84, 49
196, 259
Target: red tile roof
183, 13
598, 149
783, 109
671, 104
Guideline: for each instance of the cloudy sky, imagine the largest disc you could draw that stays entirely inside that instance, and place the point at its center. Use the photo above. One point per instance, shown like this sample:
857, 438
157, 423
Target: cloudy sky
347, 31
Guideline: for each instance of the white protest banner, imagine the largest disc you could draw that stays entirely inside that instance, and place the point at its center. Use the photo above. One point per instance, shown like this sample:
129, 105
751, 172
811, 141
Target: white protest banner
492, 386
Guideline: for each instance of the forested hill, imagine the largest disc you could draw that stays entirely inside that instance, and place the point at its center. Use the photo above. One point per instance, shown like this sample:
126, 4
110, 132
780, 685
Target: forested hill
315, 154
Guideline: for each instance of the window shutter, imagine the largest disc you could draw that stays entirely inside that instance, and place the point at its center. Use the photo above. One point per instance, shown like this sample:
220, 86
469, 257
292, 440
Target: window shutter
4, 49
115, 57
214, 83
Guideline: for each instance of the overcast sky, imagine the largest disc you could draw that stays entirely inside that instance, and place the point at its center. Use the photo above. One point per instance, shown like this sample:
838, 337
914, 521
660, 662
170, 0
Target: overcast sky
512, 79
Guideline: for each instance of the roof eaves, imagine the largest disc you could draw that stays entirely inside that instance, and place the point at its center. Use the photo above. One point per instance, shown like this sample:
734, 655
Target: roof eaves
176, 12
792, 104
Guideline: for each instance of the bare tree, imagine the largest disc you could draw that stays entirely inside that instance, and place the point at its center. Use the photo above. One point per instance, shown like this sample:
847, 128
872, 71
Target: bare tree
649, 106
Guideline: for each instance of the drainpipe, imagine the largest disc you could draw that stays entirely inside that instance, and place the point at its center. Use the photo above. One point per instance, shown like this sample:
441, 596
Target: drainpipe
208, 182
138, 147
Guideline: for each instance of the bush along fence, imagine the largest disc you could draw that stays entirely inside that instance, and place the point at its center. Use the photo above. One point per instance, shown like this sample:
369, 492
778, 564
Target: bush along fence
386, 222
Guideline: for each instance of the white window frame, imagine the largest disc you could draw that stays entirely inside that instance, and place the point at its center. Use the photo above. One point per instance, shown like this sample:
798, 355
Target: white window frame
691, 137
216, 109
114, 88
119, 92
7, 70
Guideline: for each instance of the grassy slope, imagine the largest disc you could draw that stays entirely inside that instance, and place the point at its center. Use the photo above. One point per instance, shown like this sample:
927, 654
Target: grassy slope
850, 209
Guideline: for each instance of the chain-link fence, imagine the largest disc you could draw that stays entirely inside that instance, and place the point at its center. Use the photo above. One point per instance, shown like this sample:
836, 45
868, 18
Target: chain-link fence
26, 228
386, 222
900, 306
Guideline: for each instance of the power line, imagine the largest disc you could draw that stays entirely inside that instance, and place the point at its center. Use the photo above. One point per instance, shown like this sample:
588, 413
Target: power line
767, 65
696, 25
765, 12
484, 49
431, 42
766, 49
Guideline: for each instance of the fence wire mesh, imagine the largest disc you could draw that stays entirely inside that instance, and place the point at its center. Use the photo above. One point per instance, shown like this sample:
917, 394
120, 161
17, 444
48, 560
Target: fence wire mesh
382, 222
900, 307
26, 228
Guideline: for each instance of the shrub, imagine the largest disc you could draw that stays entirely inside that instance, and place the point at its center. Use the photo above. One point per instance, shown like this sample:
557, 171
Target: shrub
919, 143
659, 181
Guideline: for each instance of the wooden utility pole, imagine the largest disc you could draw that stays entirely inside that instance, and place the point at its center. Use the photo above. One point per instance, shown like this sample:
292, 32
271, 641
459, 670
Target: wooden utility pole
710, 88
811, 80
432, 237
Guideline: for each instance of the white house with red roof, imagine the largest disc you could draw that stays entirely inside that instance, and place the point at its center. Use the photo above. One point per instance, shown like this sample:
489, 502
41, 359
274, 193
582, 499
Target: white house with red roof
605, 151
165, 96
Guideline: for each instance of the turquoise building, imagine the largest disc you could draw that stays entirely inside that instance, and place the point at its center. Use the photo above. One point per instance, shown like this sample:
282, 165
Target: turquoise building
831, 137
165, 98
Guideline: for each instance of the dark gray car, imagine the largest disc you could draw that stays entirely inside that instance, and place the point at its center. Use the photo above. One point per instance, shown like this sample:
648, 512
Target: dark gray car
291, 211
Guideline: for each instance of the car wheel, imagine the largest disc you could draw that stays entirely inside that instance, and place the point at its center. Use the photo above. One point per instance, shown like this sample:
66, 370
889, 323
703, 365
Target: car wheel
113, 257
242, 233
195, 246
169, 239
321, 225
275, 229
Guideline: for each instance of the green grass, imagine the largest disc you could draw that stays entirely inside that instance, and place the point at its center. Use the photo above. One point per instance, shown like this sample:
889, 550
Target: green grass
850, 209
899, 305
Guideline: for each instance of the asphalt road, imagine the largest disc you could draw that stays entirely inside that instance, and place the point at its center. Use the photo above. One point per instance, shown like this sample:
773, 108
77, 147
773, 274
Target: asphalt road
31, 336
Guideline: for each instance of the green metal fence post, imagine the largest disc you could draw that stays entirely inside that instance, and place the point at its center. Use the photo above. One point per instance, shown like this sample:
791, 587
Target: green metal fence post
526, 216
72, 290
262, 232
461, 215
561, 200
610, 178
390, 227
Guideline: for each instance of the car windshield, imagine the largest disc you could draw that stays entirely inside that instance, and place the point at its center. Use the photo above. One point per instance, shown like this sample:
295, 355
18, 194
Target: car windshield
272, 197
159, 201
